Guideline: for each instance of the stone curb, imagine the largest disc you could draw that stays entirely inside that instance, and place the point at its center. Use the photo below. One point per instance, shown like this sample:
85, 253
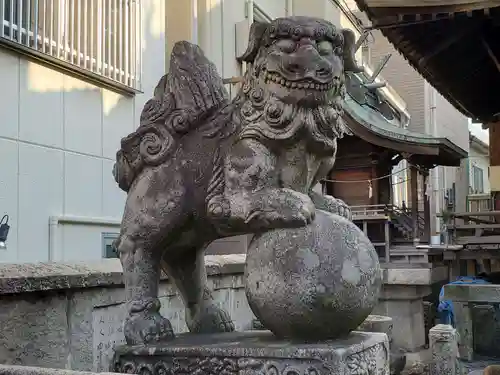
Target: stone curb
27, 370
36, 277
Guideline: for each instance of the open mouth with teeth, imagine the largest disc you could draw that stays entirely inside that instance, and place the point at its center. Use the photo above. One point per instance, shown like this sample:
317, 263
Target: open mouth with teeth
300, 84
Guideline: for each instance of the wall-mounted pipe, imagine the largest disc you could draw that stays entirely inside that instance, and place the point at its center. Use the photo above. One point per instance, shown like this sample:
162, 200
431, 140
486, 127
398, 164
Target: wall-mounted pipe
289, 8
194, 21
55, 251
437, 170
250, 5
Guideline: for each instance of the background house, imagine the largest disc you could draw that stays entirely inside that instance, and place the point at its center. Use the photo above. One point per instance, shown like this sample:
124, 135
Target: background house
478, 163
430, 113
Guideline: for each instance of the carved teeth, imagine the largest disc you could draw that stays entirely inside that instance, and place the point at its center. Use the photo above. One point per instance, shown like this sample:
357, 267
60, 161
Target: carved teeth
273, 77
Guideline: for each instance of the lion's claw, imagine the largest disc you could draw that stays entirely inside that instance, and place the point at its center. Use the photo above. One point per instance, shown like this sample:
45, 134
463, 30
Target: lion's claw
211, 319
147, 327
333, 205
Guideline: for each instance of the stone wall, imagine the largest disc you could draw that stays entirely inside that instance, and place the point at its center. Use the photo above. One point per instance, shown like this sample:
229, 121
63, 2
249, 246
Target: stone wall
27, 370
70, 316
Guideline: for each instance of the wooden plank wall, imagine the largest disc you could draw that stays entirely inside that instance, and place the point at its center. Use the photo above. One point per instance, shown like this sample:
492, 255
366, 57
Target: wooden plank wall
470, 267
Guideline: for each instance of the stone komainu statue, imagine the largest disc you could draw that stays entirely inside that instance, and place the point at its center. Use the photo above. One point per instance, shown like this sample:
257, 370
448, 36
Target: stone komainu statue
201, 167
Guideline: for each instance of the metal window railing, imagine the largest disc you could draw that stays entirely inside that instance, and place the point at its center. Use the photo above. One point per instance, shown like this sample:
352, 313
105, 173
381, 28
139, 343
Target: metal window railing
99, 36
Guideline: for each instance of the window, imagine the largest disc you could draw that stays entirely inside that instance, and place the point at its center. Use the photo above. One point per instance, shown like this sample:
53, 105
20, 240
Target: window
108, 250
477, 180
102, 37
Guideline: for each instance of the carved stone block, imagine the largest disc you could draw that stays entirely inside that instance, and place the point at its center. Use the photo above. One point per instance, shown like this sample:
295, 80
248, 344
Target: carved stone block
444, 348
257, 352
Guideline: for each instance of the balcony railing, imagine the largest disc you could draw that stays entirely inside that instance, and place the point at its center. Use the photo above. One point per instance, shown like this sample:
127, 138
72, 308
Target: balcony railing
479, 202
100, 37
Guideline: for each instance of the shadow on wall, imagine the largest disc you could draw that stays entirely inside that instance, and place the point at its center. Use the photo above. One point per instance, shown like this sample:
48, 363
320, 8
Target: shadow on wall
58, 140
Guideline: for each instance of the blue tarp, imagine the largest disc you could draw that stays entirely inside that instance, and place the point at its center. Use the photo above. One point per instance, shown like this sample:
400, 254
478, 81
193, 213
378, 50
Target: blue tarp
445, 308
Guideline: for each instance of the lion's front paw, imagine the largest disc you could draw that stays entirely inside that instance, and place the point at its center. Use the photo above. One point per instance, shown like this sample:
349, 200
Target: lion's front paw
338, 206
280, 208
147, 326
263, 210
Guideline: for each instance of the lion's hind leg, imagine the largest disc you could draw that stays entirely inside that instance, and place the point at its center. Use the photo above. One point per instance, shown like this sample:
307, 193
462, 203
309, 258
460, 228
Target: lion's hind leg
203, 314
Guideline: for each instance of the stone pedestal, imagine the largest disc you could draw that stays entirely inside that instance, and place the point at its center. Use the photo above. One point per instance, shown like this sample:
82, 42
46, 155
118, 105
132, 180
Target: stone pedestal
403, 303
257, 352
380, 323
444, 348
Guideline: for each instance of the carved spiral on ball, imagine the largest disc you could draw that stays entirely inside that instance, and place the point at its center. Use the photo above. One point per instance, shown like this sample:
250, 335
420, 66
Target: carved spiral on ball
155, 146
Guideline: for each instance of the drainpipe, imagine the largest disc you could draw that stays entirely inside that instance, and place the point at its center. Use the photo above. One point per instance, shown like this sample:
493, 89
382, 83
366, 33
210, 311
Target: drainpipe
435, 175
55, 250
194, 20
289, 8
250, 13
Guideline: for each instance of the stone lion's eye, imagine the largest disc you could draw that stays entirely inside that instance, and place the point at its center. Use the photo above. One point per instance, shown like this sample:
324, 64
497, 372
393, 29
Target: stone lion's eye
325, 47
287, 45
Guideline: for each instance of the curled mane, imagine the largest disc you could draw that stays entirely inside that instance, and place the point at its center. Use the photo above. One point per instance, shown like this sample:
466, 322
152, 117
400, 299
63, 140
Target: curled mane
190, 93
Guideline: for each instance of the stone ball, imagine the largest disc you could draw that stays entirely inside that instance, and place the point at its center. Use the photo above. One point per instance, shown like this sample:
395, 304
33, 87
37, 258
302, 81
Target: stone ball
317, 282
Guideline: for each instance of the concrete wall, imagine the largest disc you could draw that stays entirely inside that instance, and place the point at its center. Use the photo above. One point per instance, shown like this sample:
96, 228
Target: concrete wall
71, 315
58, 140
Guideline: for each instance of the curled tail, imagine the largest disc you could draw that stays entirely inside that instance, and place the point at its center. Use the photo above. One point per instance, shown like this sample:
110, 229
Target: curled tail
183, 100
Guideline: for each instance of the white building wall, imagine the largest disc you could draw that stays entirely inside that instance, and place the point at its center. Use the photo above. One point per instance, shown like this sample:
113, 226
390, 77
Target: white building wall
479, 158
217, 29
58, 140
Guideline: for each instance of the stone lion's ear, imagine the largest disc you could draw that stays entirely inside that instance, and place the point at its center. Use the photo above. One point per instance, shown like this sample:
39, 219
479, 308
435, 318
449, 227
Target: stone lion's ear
350, 64
257, 31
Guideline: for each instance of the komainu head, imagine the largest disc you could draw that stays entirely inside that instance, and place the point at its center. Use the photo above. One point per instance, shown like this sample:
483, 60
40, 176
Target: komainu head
300, 60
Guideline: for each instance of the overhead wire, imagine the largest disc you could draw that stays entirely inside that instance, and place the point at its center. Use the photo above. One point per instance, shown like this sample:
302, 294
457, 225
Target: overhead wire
368, 180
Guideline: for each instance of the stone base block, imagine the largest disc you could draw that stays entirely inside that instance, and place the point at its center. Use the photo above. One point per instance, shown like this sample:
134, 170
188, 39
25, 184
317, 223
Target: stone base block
256, 352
